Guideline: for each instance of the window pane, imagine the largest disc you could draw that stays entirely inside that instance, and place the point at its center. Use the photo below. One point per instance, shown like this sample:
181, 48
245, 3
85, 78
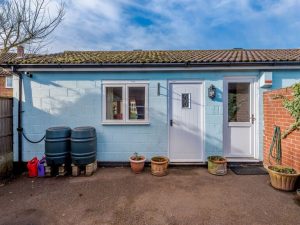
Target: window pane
114, 106
186, 100
136, 103
239, 102
9, 82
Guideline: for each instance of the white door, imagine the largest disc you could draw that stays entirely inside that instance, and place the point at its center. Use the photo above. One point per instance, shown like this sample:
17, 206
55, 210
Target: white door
185, 122
239, 117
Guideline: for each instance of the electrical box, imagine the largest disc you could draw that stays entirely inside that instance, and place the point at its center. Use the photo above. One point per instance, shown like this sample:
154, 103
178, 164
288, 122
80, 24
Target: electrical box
266, 79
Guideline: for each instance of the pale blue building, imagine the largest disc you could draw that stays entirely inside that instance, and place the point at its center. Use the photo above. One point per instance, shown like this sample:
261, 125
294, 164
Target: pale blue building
186, 105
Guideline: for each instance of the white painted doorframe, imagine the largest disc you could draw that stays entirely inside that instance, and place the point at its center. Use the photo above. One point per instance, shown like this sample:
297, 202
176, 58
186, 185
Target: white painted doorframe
202, 114
254, 110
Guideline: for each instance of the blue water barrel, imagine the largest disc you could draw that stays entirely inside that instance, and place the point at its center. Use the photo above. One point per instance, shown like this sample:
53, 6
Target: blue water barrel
57, 145
83, 145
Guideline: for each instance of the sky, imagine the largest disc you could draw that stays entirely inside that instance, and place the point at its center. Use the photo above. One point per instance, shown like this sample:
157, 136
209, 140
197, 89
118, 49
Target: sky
177, 24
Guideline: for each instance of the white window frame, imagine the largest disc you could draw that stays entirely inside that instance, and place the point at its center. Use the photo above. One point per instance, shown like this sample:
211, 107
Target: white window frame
125, 92
6, 83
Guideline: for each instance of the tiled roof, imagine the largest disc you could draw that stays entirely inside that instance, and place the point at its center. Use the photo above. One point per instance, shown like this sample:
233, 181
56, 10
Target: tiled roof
172, 56
5, 72
7, 57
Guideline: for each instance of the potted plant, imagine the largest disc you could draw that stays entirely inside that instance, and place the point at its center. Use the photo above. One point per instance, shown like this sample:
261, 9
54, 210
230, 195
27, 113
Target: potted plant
217, 165
137, 162
159, 166
283, 178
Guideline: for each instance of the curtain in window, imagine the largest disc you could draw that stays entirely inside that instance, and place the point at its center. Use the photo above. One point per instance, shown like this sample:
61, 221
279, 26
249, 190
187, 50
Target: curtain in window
109, 104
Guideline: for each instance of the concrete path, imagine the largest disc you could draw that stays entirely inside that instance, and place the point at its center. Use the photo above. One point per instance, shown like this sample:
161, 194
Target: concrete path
188, 195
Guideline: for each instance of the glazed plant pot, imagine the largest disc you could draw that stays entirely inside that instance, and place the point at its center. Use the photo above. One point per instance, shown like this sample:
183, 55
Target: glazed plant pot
283, 178
137, 164
217, 165
159, 166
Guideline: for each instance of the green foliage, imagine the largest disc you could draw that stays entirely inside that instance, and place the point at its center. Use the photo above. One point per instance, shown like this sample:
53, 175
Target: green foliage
137, 157
285, 170
293, 106
232, 107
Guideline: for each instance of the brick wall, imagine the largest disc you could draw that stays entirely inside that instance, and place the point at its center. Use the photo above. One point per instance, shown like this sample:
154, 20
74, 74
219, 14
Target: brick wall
5, 92
276, 114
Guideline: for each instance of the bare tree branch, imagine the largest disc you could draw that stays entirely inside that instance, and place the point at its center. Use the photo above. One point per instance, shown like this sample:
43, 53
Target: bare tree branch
27, 22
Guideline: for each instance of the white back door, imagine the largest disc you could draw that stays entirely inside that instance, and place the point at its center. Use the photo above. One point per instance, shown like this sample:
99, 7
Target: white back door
239, 117
185, 135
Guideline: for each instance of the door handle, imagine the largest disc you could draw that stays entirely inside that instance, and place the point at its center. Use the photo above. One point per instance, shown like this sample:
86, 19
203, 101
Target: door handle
171, 123
253, 119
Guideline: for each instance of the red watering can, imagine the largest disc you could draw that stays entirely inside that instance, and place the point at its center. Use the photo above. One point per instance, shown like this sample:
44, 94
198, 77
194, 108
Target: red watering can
32, 167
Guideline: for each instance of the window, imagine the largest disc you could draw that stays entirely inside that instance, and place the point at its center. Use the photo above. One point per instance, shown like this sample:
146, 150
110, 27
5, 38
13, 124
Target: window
9, 82
125, 103
238, 102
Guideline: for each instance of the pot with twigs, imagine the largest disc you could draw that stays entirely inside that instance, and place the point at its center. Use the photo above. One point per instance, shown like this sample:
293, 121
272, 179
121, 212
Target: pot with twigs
137, 162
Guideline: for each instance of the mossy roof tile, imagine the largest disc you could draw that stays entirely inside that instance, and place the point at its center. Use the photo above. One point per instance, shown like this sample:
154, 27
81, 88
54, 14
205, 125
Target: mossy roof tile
154, 56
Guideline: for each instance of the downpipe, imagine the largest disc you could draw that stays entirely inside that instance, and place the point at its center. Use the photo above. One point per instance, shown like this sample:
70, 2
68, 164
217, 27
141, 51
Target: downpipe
20, 128
21, 165
20, 120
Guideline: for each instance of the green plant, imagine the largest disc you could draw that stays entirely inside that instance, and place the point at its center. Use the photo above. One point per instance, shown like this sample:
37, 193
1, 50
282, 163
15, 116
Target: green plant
285, 170
232, 107
136, 156
293, 106
234, 104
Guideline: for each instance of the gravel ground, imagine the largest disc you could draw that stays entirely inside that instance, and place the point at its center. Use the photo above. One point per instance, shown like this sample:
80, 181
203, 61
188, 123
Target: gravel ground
188, 195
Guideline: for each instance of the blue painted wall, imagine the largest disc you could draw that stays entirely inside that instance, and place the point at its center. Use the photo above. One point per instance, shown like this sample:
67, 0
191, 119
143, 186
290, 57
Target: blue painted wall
74, 99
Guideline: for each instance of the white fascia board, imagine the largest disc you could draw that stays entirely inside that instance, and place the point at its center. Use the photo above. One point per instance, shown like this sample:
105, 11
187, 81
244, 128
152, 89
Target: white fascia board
139, 69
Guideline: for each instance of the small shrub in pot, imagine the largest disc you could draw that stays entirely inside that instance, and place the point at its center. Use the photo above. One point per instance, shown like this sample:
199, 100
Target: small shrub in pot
137, 162
217, 165
283, 178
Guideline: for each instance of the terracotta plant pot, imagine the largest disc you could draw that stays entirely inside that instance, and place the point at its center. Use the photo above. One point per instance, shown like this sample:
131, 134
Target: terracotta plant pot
159, 166
282, 181
217, 165
137, 166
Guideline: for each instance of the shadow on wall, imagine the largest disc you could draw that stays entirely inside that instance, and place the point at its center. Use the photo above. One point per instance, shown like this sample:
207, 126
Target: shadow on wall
55, 112
82, 107
60, 105
219, 95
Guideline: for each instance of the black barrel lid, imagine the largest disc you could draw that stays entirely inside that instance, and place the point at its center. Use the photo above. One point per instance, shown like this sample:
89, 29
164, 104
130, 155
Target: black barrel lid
83, 132
58, 132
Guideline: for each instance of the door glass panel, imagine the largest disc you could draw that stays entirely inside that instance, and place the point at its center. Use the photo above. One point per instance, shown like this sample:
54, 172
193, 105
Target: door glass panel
186, 100
136, 103
114, 103
238, 102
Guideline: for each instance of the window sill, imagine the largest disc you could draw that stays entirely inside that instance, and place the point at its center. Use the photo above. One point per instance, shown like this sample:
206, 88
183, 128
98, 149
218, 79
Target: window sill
126, 123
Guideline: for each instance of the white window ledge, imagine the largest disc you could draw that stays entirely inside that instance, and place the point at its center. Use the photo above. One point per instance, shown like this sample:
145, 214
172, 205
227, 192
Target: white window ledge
126, 123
